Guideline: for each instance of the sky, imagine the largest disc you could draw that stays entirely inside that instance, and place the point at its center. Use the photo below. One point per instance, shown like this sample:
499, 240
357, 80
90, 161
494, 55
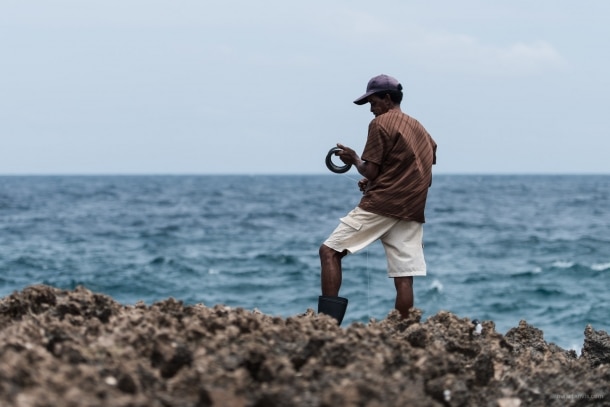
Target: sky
267, 87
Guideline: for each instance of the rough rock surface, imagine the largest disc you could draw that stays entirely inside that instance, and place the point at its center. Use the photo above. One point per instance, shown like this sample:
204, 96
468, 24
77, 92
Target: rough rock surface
78, 348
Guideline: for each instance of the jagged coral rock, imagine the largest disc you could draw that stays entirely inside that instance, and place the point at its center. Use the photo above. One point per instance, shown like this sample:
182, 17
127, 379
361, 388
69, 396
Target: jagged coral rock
78, 348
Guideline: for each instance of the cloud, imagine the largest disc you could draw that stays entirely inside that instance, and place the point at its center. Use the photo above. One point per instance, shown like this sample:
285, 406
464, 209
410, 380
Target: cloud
467, 54
389, 37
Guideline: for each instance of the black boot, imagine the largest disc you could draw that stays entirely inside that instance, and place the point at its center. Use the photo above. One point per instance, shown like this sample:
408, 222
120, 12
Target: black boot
333, 306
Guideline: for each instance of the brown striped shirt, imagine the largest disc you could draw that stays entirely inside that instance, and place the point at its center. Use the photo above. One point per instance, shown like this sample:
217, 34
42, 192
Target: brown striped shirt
405, 152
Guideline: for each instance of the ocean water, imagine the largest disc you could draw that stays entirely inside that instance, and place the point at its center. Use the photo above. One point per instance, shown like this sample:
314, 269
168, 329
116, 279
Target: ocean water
501, 248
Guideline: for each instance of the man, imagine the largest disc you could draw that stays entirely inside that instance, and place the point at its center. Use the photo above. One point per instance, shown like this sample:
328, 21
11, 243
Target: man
397, 168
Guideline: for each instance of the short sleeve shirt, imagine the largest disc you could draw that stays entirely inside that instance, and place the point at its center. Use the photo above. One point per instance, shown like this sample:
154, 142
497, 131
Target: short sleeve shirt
405, 153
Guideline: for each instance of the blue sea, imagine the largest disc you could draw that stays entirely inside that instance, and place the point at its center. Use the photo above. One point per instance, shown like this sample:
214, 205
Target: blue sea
502, 248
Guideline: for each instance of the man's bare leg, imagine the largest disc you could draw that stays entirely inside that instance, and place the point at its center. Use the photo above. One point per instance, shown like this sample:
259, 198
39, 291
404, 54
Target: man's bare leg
404, 295
329, 302
330, 261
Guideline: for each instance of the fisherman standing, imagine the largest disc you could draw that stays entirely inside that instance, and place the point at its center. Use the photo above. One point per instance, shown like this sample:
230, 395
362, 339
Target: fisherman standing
397, 168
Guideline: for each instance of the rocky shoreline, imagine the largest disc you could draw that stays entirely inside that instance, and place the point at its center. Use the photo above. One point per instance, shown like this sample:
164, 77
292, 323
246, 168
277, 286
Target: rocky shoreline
79, 348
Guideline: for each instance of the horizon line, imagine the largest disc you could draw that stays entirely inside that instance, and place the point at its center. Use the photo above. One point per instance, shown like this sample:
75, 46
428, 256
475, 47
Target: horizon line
196, 174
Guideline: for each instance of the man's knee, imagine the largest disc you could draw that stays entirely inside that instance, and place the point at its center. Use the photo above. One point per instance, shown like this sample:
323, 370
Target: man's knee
327, 253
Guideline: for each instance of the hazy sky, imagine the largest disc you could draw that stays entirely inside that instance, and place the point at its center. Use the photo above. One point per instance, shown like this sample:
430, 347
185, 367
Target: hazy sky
202, 87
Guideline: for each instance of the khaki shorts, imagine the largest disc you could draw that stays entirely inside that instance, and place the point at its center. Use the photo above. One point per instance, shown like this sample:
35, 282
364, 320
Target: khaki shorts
402, 240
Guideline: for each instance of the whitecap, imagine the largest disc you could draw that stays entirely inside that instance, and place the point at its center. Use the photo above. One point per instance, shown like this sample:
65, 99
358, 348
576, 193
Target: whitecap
576, 348
563, 264
213, 271
600, 266
436, 285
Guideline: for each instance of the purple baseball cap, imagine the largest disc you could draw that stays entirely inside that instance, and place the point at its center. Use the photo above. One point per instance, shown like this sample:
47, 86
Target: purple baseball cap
380, 83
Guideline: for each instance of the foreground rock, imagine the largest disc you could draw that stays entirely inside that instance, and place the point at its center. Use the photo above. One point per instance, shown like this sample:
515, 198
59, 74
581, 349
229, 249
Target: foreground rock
77, 348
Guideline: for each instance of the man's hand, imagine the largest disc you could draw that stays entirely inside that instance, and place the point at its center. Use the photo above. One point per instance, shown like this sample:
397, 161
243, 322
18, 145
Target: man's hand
347, 155
367, 169
362, 184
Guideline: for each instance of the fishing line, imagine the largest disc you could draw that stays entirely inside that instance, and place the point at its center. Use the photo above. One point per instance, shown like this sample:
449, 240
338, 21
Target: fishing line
350, 178
368, 288
368, 270
342, 170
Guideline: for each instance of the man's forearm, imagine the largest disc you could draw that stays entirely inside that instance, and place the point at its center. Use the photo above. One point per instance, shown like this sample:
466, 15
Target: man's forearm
367, 169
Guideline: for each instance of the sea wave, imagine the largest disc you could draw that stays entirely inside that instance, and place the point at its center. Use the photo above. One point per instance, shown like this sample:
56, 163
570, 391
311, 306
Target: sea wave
503, 248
